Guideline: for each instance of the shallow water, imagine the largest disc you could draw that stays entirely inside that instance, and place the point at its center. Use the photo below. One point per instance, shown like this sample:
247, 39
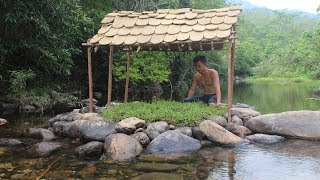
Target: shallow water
291, 159
274, 97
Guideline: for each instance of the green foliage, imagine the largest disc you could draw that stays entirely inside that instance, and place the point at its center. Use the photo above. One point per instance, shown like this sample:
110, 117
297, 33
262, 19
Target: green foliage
18, 85
144, 66
277, 46
179, 114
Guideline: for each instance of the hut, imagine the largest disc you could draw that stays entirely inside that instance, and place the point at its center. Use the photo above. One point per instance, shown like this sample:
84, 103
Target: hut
166, 30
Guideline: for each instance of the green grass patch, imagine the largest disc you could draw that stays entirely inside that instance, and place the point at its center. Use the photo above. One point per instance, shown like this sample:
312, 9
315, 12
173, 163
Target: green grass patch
176, 113
302, 79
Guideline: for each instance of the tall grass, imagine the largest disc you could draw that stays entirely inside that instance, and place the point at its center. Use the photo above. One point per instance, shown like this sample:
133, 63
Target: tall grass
176, 113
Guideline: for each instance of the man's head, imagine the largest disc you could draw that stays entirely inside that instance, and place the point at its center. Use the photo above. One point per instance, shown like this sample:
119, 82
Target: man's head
200, 63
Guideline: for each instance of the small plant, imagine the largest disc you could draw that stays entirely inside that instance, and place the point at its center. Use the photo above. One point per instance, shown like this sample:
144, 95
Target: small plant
176, 113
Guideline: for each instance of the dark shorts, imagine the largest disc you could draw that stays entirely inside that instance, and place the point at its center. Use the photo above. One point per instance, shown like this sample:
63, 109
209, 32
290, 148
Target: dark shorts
206, 98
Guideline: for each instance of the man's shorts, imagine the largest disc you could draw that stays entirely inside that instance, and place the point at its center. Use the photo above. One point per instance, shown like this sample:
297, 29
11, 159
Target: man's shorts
206, 98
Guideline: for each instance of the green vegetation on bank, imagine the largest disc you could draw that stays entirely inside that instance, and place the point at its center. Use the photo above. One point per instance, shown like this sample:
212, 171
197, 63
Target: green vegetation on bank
304, 80
176, 113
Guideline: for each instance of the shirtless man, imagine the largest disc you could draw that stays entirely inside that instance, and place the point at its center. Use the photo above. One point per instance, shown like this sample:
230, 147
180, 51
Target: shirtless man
209, 80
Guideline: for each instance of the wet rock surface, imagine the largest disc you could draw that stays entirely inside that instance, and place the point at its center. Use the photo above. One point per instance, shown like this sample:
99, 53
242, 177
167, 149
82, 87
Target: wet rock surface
217, 133
121, 147
265, 138
90, 149
11, 142
295, 124
44, 148
173, 142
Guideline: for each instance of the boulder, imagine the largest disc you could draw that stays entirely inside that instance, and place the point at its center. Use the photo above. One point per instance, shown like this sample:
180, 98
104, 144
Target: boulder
142, 138
219, 120
185, 130
90, 149
238, 130
156, 128
242, 105
129, 125
217, 133
3, 122
86, 109
197, 133
93, 130
28, 109
44, 148
265, 138
86, 102
244, 112
295, 124
173, 142
41, 133
236, 120
11, 142
121, 147
61, 128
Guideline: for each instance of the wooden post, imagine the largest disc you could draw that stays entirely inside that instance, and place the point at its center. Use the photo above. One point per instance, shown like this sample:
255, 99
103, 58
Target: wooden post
110, 76
127, 78
231, 58
233, 55
90, 80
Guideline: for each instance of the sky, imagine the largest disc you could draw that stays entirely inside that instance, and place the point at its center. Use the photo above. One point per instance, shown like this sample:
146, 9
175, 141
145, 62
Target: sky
302, 5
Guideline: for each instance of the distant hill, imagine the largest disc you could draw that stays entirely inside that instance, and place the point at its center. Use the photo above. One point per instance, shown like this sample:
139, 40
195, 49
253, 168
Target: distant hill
247, 6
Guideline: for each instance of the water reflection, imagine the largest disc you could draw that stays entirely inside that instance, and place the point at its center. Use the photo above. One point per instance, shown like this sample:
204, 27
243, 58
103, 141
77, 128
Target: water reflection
275, 97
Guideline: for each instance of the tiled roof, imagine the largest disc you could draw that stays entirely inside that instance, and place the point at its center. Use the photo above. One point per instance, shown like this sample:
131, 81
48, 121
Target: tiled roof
166, 27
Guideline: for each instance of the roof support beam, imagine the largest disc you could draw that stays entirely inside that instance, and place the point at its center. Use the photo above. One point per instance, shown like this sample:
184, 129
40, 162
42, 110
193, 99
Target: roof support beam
89, 49
110, 76
127, 77
231, 59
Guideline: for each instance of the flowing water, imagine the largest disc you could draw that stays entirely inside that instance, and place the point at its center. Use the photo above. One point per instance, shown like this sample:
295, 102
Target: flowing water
291, 159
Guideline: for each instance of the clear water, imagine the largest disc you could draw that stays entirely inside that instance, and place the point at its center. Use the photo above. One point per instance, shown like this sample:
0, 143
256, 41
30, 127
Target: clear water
291, 159
271, 97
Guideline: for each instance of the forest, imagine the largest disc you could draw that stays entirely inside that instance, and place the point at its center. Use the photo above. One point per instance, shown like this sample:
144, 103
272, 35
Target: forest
41, 51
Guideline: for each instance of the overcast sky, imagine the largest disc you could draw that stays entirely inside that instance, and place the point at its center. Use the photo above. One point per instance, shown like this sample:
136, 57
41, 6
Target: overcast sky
303, 5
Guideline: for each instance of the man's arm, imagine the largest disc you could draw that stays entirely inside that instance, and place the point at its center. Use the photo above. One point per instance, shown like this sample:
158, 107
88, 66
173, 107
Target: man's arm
217, 86
193, 86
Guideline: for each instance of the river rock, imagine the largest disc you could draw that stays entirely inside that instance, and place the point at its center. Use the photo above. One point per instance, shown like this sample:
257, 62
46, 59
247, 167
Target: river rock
156, 128
129, 125
96, 109
142, 138
238, 130
41, 133
197, 133
184, 130
317, 92
219, 120
61, 128
3, 122
295, 124
121, 147
265, 138
11, 142
90, 149
217, 133
28, 109
173, 142
44, 148
236, 120
159, 176
94, 130
244, 112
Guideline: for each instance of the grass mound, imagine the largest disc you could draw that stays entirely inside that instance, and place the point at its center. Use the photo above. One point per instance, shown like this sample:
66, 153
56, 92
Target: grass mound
176, 113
